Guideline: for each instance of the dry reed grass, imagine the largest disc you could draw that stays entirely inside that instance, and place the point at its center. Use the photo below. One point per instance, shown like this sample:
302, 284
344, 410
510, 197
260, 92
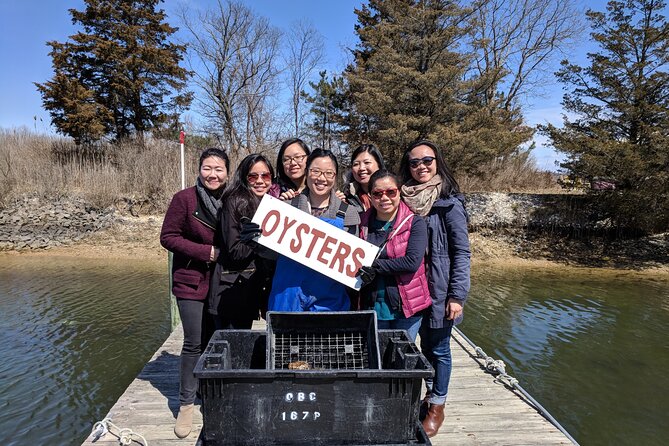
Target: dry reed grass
104, 175
146, 175
516, 174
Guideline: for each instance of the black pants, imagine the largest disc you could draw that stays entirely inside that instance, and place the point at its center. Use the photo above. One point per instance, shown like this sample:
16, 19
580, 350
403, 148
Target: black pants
192, 314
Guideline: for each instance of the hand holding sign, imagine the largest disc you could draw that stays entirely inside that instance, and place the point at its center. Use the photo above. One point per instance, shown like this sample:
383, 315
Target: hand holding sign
366, 274
250, 231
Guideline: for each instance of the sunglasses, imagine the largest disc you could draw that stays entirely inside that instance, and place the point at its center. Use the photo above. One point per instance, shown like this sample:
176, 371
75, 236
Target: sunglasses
415, 162
378, 194
253, 177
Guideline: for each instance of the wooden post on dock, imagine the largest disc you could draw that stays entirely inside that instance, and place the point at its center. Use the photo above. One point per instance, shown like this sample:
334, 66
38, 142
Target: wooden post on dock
174, 310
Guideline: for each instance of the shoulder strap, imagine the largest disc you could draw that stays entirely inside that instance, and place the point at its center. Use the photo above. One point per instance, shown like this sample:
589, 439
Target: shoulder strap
341, 212
392, 234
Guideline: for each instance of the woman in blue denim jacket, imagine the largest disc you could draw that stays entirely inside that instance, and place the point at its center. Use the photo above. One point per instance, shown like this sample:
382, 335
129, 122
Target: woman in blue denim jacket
431, 191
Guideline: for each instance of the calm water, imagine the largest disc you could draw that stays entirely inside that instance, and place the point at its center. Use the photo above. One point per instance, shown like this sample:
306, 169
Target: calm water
73, 335
593, 349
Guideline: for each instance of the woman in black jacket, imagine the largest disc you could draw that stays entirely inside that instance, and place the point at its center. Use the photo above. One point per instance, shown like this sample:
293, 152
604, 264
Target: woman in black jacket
241, 280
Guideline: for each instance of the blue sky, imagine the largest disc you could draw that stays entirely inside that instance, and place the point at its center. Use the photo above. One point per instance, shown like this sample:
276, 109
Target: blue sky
28, 24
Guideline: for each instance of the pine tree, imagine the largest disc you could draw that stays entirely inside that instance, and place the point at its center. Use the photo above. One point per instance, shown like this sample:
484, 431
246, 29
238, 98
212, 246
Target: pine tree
329, 105
620, 102
411, 79
119, 76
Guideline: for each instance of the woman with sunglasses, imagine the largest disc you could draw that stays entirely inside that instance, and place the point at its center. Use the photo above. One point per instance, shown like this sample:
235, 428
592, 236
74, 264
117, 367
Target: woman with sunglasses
296, 287
365, 160
395, 286
188, 231
242, 276
291, 169
431, 191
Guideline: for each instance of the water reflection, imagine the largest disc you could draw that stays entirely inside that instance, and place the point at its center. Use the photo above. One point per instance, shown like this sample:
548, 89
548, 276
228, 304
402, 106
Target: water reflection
73, 334
593, 350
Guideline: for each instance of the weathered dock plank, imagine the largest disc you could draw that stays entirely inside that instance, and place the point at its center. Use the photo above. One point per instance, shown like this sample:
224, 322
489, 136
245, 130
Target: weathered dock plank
479, 411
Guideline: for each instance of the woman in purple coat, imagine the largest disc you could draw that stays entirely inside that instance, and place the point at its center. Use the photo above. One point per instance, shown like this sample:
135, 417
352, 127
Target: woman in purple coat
188, 232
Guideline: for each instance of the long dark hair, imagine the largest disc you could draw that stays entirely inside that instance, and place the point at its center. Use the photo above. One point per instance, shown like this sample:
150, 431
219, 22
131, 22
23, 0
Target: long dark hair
238, 194
449, 186
281, 175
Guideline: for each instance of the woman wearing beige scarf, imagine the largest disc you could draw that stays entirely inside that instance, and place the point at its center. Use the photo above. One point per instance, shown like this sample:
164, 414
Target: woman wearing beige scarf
431, 191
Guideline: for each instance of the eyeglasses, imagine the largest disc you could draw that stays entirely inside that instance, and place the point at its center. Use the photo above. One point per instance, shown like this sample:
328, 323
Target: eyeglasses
378, 194
297, 158
253, 177
415, 162
328, 174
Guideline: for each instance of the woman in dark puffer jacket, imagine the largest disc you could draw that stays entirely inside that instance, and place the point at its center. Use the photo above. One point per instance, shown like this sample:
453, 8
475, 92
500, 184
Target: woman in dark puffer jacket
431, 191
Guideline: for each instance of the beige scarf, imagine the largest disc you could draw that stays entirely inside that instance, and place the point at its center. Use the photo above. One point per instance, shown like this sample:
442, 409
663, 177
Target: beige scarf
421, 196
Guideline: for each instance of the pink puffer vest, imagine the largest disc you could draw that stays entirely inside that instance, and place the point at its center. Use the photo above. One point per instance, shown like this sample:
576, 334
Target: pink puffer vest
413, 287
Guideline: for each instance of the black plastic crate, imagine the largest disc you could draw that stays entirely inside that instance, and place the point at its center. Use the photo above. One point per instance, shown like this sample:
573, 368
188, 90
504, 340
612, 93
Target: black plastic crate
247, 404
327, 340
421, 439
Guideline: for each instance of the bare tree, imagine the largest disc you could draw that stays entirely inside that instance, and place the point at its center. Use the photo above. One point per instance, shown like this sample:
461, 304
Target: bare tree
305, 53
233, 55
516, 41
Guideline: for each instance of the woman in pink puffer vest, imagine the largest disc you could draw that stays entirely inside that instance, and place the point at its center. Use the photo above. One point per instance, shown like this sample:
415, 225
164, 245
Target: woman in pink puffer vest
395, 286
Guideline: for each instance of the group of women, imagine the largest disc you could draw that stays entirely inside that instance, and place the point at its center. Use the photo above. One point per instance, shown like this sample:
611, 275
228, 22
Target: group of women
419, 281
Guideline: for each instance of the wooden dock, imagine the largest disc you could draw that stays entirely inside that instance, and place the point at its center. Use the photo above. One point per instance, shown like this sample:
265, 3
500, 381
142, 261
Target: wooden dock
479, 411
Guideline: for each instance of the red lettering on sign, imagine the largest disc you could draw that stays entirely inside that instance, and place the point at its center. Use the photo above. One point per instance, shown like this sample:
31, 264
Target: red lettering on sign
343, 250
326, 249
287, 224
277, 216
357, 255
296, 243
317, 236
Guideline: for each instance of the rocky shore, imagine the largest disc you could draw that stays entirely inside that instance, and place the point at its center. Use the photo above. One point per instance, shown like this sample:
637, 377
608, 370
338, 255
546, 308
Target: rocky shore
35, 222
503, 227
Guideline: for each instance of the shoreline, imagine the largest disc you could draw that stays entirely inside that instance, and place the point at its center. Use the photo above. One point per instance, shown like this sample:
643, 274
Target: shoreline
137, 238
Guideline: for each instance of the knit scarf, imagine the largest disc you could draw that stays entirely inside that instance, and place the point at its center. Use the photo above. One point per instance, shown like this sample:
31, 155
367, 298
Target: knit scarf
211, 200
421, 196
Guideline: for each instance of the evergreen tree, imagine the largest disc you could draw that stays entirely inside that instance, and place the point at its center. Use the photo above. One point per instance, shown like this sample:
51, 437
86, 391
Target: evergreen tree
411, 79
327, 105
620, 102
117, 77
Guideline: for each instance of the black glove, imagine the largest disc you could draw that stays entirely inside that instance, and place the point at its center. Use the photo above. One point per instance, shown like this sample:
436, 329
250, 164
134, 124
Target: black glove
250, 231
367, 274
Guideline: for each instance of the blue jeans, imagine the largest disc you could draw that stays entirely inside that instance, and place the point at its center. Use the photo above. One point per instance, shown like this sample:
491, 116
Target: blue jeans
435, 343
410, 324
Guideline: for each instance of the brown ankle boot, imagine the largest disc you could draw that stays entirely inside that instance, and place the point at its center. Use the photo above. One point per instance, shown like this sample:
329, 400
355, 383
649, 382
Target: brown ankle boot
434, 419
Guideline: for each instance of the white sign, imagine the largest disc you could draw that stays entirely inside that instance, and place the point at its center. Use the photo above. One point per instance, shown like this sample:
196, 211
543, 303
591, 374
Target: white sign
313, 242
